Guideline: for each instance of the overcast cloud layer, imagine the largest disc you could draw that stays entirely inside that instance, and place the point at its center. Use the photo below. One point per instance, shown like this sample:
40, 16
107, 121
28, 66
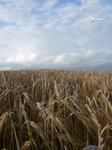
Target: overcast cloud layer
39, 34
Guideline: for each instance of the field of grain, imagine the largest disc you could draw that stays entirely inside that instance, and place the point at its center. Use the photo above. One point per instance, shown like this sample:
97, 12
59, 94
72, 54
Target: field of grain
55, 109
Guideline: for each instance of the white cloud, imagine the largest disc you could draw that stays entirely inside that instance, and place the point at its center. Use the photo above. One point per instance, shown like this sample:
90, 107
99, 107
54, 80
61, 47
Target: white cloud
60, 59
32, 57
5, 68
90, 53
48, 4
40, 33
90, 1
9, 59
20, 58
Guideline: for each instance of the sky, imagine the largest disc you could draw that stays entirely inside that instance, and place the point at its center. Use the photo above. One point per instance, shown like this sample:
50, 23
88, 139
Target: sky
51, 34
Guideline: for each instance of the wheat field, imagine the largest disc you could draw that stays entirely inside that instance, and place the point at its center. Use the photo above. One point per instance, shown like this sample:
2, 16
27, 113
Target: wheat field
55, 109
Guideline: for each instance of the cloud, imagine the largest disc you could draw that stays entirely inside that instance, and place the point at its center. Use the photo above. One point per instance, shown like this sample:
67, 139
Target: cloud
89, 53
5, 68
47, 5
9, 59
60, 59
50, 34
90, 2
22, 58
32, 57
79, 58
